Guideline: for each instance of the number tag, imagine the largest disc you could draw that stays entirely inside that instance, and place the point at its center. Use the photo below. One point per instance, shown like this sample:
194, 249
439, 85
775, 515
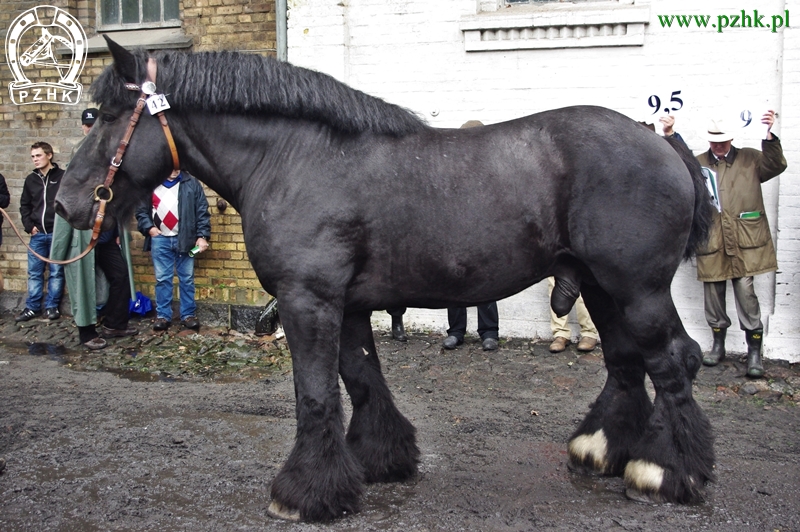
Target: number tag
746, 117
655, 103
157, 103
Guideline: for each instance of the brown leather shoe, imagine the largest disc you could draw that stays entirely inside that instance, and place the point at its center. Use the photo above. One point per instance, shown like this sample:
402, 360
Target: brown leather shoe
95, 343
559, 344
587, 344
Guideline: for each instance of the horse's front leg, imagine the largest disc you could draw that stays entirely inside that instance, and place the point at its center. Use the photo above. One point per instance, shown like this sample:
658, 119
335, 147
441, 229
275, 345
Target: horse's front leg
321, 479
379, 435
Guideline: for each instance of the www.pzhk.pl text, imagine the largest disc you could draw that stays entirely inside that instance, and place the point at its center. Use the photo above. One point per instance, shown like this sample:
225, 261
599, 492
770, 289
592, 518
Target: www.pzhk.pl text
745, 19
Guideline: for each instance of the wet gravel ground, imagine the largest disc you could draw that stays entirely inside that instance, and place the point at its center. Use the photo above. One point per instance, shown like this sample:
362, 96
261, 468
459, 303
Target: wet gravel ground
92, 450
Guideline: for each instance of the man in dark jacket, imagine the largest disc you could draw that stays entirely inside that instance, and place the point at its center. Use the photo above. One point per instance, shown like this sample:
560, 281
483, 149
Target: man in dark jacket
5, 200
177, 226
37, 210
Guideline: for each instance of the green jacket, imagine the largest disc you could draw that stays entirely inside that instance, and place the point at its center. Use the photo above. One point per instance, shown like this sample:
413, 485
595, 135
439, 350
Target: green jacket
86, 284
740, 247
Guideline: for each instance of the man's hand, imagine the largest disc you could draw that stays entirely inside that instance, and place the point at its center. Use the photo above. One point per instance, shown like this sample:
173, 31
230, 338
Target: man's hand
34, 231
769, 120
667, 122
202, 244
154, 231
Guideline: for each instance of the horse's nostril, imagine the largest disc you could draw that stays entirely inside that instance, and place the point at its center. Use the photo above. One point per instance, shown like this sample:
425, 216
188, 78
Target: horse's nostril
60, 210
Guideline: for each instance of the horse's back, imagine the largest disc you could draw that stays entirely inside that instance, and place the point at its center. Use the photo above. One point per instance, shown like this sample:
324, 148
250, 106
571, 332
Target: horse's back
485, 212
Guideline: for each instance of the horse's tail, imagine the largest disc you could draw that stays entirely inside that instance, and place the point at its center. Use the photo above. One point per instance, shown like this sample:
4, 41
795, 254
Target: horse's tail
701, 220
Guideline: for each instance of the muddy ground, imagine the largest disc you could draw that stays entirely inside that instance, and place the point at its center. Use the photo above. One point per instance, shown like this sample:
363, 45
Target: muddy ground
94, 450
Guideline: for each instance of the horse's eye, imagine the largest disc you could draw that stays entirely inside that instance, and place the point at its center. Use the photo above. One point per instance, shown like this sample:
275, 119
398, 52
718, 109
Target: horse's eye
109, 118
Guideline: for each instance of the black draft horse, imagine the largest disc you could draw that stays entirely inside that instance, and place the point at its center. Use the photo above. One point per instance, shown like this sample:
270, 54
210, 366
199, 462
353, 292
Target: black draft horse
351, 204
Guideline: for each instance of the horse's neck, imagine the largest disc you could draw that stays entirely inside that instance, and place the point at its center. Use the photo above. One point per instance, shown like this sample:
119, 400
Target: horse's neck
226, 151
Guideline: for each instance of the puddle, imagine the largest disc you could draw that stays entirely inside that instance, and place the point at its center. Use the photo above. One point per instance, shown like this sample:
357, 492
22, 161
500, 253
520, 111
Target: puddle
76, 360
51, 351
140, 376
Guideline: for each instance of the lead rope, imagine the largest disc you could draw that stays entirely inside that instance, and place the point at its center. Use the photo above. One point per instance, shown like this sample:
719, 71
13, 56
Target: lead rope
147, 88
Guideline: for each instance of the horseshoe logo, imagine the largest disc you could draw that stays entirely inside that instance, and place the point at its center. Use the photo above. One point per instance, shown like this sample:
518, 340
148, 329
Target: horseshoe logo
37, 39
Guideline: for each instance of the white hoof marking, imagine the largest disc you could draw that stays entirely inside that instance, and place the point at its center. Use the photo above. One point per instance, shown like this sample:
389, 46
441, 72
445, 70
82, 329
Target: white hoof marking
593, 446
644, 476
280, 511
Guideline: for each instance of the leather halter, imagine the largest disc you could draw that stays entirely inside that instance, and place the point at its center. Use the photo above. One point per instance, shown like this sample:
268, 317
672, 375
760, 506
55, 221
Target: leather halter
148, 88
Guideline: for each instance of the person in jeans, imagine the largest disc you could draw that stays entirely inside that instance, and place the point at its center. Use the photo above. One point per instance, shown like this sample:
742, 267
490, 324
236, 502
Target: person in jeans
176, 221
37, 210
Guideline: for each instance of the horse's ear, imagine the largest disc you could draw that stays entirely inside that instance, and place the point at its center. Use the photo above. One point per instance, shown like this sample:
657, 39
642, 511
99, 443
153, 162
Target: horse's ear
124, 61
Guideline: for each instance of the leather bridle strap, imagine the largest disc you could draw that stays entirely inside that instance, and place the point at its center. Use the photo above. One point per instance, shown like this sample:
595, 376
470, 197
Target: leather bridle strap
176, 165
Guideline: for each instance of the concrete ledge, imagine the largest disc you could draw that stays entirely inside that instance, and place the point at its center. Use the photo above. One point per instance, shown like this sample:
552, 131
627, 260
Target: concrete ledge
241, 318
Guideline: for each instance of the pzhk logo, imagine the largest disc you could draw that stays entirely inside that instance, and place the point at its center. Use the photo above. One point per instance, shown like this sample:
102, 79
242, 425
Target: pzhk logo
36, 42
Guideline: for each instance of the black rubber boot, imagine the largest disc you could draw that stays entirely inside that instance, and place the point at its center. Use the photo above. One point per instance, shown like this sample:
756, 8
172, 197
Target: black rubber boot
717, 353
755, 368
269, 319
398, 332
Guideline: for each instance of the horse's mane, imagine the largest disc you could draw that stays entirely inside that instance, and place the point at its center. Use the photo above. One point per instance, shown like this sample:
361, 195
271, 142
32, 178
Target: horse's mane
240, 83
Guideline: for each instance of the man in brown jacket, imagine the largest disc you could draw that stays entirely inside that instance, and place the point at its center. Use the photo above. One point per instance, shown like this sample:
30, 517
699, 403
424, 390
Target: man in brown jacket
739, 244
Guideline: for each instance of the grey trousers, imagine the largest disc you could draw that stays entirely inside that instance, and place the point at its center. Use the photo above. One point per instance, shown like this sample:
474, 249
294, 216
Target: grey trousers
746, 304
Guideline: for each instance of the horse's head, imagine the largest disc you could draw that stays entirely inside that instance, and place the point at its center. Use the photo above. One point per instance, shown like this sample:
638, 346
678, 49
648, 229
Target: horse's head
146, 161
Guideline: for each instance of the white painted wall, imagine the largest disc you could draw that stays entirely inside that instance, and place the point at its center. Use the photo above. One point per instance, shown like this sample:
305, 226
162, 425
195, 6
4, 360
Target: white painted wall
412, 52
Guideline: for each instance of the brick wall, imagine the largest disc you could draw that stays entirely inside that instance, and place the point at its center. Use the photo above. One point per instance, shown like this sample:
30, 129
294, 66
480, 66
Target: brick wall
21, 126
412, 53
223, 274
231, 25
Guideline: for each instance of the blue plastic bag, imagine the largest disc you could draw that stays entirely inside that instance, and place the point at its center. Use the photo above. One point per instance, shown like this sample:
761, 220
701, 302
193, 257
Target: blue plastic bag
141, 305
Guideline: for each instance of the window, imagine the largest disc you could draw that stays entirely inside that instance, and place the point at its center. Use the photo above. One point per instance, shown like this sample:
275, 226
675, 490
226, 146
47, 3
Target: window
137, 14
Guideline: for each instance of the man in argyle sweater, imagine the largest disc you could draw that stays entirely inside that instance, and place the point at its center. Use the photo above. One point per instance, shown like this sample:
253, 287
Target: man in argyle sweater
176, 221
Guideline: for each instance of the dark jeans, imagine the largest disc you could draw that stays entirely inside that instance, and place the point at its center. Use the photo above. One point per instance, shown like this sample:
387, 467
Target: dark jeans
167, 260
40, 243
488, 321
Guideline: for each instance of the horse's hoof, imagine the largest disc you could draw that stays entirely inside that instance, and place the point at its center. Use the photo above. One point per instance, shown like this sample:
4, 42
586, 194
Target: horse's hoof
279, 511
647, 498
581, 469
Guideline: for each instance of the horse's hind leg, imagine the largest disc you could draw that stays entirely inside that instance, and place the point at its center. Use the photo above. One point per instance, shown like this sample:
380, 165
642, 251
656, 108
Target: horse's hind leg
601, 443
379, 435
666, 449
674, 458
321, 479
